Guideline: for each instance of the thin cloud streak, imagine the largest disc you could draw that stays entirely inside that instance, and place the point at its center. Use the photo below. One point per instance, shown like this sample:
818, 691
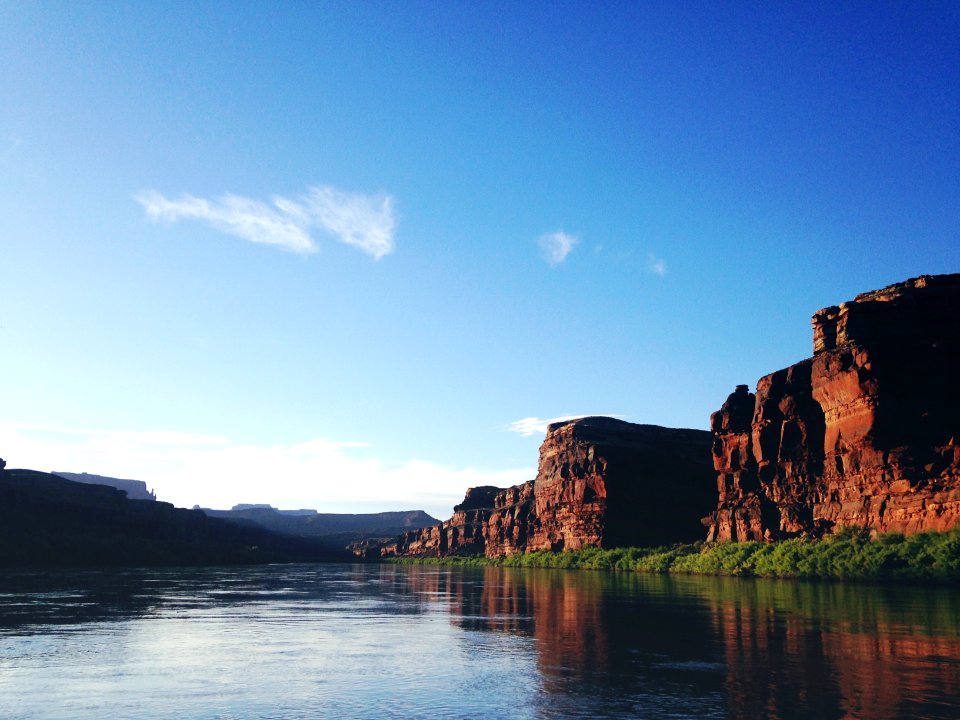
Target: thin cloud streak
538, 426
366, 222
556, 246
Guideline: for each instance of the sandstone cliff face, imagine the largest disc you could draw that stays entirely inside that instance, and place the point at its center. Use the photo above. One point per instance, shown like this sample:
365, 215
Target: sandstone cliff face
490, 521
864, 433
612, 483
601, 482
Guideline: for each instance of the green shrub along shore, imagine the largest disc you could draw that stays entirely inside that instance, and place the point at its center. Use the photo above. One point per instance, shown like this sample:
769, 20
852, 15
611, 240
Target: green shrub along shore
851, 554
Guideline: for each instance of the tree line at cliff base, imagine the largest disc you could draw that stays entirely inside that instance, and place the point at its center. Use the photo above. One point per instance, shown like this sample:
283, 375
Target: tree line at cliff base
851, 554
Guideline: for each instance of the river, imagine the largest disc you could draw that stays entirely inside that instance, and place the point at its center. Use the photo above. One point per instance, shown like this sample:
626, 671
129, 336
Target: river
387, 641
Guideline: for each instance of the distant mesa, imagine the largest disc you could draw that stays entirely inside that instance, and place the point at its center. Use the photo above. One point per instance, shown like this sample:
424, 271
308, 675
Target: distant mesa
339, 528
135, 489
260, 506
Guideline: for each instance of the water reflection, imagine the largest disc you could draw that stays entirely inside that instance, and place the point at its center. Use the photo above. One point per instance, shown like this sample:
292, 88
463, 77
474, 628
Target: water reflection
747, 648
395, 641
838, 650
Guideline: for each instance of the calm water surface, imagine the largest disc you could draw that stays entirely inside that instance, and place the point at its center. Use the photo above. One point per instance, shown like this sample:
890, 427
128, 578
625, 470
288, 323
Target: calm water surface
384, 641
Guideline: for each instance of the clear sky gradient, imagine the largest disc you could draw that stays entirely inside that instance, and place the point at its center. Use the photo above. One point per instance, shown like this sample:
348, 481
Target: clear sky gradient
352, 256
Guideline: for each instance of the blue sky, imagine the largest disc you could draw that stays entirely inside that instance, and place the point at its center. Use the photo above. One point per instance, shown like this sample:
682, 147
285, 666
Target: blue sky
331, 254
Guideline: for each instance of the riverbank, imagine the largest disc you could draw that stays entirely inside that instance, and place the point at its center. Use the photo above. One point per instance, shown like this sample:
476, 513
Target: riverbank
929, 557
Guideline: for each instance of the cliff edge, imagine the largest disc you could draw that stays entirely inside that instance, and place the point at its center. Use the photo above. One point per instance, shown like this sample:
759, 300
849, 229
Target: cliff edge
864, 433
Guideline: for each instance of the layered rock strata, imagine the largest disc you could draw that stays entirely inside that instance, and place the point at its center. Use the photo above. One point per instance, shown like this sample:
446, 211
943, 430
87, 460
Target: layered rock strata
490, 521
865, 433
609, 483
601, 482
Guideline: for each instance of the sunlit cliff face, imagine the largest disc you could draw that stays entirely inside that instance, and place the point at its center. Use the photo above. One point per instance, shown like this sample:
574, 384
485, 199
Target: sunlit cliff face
864, 433
601, 482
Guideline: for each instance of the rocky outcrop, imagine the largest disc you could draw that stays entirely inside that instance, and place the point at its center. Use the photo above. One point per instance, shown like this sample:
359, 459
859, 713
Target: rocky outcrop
490, 521
864, 433
601, 482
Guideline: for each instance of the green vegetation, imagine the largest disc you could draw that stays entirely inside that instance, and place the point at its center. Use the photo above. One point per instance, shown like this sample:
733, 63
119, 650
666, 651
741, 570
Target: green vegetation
851, 554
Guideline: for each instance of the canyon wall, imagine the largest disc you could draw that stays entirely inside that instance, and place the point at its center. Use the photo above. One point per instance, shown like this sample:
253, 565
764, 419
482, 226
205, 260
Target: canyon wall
865, 433
611, 483
601, 482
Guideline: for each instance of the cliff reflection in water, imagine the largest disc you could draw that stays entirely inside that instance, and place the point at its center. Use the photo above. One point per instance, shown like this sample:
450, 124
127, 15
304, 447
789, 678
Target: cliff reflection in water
751, 648
838, 650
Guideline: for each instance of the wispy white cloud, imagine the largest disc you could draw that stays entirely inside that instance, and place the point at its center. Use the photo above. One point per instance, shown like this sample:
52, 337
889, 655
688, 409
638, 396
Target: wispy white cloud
538, 426
366, 222
245, 218
556, 246
656, 265
213, 471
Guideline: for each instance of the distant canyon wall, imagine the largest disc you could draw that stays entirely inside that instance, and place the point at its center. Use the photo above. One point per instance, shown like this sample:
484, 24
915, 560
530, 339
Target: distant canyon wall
601, 482
865, 433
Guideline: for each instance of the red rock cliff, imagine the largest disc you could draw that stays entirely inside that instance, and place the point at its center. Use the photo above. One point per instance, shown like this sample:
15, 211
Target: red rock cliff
612, 483
601, 482
490, 521
864, 433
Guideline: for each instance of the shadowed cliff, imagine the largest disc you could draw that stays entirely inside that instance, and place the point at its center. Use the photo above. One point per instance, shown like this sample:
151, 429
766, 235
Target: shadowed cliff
333, 528
46, 520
